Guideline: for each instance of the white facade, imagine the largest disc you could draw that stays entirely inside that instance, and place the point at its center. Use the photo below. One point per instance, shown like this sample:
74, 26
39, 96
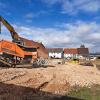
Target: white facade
55, 55
67, 56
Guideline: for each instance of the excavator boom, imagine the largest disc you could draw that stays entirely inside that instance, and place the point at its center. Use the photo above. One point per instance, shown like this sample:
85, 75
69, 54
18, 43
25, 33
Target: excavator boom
10, 28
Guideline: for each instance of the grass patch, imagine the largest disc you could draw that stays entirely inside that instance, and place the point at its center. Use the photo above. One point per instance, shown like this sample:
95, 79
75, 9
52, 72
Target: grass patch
86, 93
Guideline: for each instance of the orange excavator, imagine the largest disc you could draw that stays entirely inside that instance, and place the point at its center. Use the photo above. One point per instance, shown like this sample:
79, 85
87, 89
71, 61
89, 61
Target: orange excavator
12, 53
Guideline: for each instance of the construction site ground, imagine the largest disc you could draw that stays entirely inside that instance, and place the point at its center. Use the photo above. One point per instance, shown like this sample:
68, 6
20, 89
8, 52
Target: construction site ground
39, 83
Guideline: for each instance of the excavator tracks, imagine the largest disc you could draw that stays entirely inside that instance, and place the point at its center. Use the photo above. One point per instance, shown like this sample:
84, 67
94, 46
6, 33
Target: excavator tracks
4, 63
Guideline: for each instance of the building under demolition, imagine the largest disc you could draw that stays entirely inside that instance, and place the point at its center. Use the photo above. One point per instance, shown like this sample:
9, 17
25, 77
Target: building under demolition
30, 45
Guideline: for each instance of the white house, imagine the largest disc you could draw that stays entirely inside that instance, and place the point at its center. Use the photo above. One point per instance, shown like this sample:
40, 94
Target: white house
71, 53
55, 52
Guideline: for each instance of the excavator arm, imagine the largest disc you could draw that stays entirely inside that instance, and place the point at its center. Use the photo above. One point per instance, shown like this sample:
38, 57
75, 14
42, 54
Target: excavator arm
9, 27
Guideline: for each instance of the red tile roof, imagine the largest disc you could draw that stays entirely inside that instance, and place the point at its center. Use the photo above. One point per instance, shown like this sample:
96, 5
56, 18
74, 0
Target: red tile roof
70, 51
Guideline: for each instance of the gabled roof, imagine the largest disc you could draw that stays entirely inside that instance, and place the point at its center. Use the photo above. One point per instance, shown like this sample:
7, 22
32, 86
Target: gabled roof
55, 50
70, 51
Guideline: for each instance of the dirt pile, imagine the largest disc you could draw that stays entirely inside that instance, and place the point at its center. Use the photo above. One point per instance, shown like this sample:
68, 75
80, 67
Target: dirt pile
57, 86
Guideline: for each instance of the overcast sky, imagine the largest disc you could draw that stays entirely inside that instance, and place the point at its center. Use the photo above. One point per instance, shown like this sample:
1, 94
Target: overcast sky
55, 23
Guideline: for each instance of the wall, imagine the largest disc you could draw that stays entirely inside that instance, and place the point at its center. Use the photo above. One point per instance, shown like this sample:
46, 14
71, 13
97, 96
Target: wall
55, 55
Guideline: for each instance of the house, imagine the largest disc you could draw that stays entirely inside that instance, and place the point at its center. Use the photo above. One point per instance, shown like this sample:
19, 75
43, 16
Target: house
76, 53
55, 52
83, 51
70, 53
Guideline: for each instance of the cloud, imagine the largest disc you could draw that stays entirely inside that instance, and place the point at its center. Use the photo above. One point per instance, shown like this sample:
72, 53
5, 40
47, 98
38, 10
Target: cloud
94, 36
81, 5
71, 35
74, 6
91, 6
31, 15
5, 34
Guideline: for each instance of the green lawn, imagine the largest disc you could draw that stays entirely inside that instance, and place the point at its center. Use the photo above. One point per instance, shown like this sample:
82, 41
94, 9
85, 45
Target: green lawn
85, 93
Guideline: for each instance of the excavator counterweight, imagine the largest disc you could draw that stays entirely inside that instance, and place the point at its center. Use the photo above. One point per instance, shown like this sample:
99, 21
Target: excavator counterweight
9, 52
11, 48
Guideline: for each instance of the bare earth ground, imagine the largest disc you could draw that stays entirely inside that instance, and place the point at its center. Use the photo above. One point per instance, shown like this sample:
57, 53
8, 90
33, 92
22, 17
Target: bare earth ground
56, 80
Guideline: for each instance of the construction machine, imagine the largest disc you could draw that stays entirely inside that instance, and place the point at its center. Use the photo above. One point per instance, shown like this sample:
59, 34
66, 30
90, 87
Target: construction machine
21, 50
14, 52
10, 53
